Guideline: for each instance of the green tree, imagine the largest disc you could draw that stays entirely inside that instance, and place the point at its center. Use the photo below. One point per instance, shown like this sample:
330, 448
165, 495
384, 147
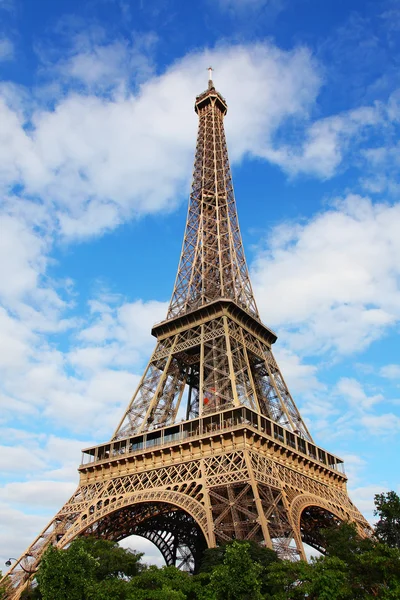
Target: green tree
3, 587
66, 574
373, 567
115, 589
90, 569
376, 573
213, 557
328, 579
345, 542
287, 579
111, 560
387, 529
237, 578
167, 583
354, 568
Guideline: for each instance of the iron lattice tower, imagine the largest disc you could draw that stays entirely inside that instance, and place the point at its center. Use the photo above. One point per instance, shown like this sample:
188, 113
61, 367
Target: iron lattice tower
241, 463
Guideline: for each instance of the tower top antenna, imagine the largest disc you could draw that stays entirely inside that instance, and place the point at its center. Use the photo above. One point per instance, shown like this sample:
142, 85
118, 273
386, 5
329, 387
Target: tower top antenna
210, 72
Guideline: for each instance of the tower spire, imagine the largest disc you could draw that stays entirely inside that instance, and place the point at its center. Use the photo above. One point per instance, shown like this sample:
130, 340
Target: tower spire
210, 78
212, 263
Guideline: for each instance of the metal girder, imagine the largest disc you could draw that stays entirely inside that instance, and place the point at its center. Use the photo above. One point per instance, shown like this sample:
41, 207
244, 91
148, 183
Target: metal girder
232, 367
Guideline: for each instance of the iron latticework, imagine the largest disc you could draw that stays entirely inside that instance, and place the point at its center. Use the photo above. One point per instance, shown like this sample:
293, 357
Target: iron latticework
213, 264
212, 446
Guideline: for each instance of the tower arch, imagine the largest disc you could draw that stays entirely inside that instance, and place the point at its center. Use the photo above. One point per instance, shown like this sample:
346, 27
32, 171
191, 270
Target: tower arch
169, 523
147, 511
311, 513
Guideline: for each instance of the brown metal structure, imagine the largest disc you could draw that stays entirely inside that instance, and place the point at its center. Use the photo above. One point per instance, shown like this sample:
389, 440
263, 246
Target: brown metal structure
241, 462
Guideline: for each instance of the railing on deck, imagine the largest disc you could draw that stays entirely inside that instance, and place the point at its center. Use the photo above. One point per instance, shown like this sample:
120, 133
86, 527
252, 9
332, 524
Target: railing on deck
226, 420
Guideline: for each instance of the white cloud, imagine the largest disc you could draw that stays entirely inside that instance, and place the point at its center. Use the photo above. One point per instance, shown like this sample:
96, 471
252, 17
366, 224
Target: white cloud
17, 530
386, 424
390, 371
300, 376
24, 258
15, 342
107, 67
354, 465
153, 555
118, 336
355, 395
6, 49
42, 494
128, 322
98, 161
93, 375
19, 458
325, 144
363, 498
91, 380
332, 283
240, 6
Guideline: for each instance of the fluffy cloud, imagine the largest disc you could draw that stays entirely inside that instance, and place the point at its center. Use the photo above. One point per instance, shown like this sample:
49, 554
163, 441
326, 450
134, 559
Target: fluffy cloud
386, 424
355, 395
332, 283
301, 376
325, 143
104, 67
98, 160
36, 493
363, 498
24, 261
390, 371
351, 411
18, 530
19, 458
91, 159
94, 378
128, 322
240, 6
48, 478
6, 49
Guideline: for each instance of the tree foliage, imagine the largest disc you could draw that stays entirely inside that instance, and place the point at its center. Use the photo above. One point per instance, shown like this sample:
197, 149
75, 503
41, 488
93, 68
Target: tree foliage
215, 556
156, 584
90, 569
237, 578
66, 575
387, 529
323, 579
111, 560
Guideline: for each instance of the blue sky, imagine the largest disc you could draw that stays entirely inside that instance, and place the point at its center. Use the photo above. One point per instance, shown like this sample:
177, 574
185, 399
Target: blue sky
97, 137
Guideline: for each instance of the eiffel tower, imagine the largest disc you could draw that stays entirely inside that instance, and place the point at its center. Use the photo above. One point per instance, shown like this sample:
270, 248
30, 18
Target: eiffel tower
241, 463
